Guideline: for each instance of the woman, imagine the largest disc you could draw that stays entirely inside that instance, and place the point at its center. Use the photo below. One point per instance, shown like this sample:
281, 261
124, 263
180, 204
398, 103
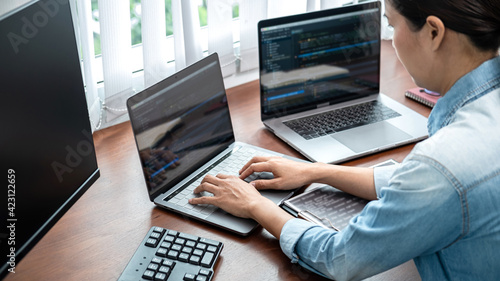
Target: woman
441, 206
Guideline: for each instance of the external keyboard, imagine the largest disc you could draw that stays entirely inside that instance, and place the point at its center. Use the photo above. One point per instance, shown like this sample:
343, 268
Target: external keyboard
327, 123
171, 255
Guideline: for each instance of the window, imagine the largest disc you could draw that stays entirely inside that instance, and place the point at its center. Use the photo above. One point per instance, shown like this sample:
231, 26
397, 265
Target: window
135, 20
128, 70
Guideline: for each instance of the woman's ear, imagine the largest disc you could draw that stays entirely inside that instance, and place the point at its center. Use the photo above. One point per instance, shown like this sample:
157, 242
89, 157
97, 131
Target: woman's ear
435, 31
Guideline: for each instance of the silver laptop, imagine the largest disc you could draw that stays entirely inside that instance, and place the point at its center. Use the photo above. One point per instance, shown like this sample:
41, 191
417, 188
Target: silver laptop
183, 132
320, 85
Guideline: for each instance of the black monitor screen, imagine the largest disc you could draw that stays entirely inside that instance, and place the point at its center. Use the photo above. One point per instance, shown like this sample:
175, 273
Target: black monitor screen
47, 150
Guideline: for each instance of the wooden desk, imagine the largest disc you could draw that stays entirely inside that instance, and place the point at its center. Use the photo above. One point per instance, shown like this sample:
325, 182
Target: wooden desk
96, 238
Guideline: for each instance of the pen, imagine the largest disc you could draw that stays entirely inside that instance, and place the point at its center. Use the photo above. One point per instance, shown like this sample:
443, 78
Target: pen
308, 216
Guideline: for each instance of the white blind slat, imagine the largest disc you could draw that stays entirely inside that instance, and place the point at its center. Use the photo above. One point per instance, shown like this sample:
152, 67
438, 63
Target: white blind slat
312, 5
83, 11
280, 8
180, 59
328, 4
251, 12
154, 42
191, 28
114, 18
220, 33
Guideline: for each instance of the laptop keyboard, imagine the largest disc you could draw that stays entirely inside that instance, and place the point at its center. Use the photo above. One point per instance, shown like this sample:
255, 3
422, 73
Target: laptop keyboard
171, 255
327, 123
230, 164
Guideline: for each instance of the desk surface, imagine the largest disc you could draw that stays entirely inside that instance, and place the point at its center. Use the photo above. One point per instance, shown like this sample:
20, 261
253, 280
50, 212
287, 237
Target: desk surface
96, 238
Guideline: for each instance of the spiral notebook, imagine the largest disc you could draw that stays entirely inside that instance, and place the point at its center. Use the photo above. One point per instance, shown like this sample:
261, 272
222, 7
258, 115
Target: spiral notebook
423, 96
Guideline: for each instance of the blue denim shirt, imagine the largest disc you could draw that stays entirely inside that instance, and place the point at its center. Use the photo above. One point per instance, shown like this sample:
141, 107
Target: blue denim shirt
440, 206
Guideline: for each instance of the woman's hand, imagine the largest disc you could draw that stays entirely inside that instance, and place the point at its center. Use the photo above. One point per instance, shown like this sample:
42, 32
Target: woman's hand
288, 174
241, 199
230, 193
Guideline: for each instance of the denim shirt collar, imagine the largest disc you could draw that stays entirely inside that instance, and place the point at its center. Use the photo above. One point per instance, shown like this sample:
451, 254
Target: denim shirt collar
470, 87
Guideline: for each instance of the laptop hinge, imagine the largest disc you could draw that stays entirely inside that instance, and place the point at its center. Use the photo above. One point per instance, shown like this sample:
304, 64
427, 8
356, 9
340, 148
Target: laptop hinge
323, 105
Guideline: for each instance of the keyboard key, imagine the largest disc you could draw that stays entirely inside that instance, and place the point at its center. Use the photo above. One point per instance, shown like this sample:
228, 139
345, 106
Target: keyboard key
151, 242
187, 250
184, 257
155, 235
212, 249
159, 229
180, 241
172, 254
176, 247
198, 252
169, 238
168, 263
160, 276
188, 236
204, 271
161, 252
165, 269
172, 232
153, 266
189, 277
166, 245
201, 246
195, 260
201, 278
156, 260
148, 274
207, 259
209, 242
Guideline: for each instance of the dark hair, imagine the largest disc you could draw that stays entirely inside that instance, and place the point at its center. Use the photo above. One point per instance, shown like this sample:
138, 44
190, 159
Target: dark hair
478, 19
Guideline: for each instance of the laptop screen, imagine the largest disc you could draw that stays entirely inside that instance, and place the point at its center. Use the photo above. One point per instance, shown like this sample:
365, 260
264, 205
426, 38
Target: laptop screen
180, 123
319, 58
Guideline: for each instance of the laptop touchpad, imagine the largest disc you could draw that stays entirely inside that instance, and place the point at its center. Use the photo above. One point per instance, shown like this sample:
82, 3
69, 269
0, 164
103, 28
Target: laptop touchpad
379, 135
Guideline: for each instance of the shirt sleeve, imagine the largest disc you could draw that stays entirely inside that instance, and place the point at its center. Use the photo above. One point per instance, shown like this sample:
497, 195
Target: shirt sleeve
382, 175
417, 202
292, 230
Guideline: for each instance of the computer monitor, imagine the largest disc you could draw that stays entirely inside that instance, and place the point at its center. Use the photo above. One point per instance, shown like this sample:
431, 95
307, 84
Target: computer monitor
47, 152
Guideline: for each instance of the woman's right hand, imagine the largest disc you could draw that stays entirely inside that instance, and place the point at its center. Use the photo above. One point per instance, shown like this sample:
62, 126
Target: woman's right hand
288, 174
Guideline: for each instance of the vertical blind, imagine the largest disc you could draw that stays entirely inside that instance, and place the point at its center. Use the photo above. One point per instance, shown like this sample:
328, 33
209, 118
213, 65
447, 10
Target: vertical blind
154, 41
236, 56
85, 40
220, 37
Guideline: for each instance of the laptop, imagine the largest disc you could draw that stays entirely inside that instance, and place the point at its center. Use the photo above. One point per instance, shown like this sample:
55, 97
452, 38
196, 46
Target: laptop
183, 131
320, 85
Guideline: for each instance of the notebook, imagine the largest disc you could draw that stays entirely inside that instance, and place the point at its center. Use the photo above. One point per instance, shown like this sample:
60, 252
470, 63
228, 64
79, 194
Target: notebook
423, 96
320, 85
183, 131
